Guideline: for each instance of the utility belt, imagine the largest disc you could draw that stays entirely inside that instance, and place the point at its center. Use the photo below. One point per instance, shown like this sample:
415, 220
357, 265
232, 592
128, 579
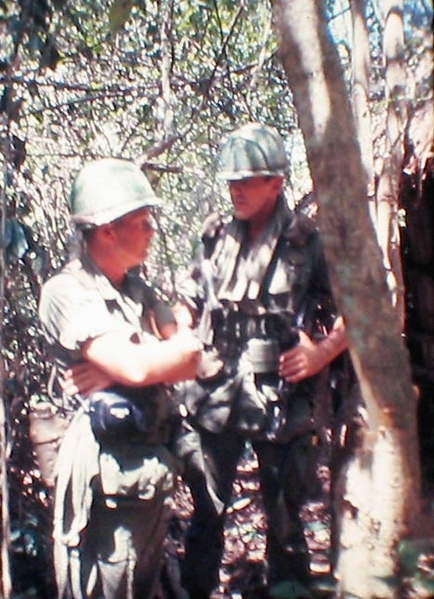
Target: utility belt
260, 338
240, 326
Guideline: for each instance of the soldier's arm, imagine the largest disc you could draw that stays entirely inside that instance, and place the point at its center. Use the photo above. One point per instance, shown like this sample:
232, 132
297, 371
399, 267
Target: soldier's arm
85, 378
113, 358
309, 358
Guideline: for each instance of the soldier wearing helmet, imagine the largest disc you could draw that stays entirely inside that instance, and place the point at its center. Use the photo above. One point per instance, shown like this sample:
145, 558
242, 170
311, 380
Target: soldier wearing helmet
253, 151
116, 351
261, 300
105, 190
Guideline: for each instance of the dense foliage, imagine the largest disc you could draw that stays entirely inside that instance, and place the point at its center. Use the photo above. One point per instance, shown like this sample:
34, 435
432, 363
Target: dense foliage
159, 82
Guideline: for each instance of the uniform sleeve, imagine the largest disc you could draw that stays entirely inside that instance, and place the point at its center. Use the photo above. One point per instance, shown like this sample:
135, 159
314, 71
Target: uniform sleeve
71, 315
327, 311
190, 286
320, 269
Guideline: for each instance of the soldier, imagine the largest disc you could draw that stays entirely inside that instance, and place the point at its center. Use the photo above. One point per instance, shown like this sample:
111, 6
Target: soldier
115, 473
261, 299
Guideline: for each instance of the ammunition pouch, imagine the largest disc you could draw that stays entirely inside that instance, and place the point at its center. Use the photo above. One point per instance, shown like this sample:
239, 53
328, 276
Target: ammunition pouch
263, 336
240, 326
130, 415
241, 387
263, 355
258, 405
267, 408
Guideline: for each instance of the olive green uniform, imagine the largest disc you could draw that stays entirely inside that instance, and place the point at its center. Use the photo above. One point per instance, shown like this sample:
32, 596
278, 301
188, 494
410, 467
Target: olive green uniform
112, 496
252, 300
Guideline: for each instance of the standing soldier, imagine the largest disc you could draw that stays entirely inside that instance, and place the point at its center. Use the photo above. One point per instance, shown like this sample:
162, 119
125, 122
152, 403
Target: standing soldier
115, 473
261, 299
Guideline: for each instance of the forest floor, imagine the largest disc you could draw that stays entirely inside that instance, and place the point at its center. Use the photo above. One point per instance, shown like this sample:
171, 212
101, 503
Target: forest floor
242, 572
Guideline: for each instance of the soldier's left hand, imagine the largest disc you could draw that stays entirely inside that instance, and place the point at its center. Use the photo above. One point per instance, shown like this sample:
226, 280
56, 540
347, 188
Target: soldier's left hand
84, 378
304, 360
183, 315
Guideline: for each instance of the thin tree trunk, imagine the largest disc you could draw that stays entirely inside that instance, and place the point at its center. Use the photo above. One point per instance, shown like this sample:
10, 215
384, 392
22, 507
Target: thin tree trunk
6, 584
389, 459
383, 201
393, 151
360, 90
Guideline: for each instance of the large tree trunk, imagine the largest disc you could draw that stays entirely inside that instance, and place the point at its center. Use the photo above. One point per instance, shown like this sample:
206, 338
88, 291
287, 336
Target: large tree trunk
382, 489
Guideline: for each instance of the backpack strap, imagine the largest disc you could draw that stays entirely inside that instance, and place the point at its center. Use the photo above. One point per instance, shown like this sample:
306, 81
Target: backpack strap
299, 230
211, 230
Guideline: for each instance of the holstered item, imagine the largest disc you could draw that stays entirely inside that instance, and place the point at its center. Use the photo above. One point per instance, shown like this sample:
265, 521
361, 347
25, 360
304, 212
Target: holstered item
129, 415
114, 415
47, 427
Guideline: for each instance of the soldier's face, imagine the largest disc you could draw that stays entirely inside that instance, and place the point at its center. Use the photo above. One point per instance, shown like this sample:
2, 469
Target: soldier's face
254, 198
133, 236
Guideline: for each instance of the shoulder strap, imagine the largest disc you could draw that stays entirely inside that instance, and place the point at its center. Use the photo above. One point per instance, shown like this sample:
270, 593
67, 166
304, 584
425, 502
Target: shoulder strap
299, 229
296, 243
211, 230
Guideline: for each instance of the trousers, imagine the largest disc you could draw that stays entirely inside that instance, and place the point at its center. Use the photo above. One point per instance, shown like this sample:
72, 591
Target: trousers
122, 552
111, 515
286, 478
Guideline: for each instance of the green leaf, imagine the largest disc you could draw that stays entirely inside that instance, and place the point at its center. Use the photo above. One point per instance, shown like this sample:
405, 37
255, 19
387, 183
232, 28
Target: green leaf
15, 241
119, 14
290, 589
411, 550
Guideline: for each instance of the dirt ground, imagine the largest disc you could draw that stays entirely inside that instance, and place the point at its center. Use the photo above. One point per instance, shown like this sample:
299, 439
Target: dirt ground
242, 570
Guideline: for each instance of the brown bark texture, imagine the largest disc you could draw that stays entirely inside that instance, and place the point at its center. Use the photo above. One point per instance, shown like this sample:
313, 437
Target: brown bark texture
381, 490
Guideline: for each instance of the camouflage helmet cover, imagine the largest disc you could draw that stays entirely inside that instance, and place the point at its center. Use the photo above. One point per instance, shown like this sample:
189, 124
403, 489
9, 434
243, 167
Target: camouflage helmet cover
253, 150
107, 189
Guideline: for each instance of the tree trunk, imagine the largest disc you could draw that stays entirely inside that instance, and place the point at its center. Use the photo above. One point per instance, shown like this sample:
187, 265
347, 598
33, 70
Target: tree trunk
393, 151
383, 197
5, 539
6, 582
386, 468
360, 90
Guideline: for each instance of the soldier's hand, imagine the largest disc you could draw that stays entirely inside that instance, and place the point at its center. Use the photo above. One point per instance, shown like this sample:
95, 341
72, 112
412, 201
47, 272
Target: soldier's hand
187, 340
302, 361
190, 348
183, 316
84, 378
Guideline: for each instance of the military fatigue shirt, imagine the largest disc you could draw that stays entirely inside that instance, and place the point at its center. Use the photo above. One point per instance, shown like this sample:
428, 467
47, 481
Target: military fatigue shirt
79, 303
282, 272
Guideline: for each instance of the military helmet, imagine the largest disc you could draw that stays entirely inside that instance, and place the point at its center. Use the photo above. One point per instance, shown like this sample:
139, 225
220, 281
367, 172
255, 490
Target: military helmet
252, 150
107, 189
